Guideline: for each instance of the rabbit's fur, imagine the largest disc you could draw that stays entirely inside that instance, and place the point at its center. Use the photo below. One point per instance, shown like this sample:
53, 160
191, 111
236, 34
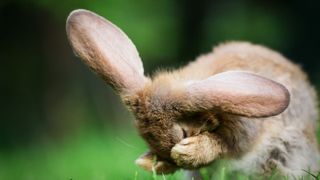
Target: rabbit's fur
242, 102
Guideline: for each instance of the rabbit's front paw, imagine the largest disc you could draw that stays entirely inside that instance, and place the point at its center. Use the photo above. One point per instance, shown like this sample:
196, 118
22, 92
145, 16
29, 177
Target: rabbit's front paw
194, 152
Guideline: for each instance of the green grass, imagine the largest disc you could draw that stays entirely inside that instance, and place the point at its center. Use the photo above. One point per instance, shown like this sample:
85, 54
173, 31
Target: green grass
94, 156
86, 156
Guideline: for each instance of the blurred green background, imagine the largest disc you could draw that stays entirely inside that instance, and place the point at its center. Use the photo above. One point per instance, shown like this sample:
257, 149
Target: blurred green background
60, 121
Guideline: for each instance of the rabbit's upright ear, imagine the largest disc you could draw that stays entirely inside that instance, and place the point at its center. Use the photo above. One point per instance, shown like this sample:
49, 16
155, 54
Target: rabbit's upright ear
106, 50
239, 93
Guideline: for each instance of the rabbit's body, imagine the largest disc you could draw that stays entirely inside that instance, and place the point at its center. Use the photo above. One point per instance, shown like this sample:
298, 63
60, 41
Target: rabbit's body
287, 140
230, 104
258, 145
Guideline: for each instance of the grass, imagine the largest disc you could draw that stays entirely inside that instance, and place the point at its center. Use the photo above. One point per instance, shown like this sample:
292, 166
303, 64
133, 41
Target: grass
86, 156
94, 156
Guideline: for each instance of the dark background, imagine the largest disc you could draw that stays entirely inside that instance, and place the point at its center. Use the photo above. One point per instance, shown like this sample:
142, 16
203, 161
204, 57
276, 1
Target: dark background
48, 95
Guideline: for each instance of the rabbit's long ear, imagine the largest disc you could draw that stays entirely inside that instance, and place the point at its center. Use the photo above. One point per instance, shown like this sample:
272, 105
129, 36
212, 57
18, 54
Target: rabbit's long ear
239, 93
106, 50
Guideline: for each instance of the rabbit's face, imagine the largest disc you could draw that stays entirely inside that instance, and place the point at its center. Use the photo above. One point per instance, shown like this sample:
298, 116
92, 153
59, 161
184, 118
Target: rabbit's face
162, 123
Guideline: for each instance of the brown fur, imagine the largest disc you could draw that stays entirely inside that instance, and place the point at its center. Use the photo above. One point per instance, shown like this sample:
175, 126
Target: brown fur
222, 105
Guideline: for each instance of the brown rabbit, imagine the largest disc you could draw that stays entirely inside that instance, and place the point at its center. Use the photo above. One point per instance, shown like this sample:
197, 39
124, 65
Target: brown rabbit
231, 104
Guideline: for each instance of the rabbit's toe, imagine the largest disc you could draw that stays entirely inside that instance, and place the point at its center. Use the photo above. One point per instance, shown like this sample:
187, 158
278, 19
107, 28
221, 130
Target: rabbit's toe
164, 167
149, 163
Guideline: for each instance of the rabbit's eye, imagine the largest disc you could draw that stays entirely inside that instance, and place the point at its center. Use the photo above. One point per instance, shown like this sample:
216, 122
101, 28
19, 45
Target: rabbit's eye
184, 133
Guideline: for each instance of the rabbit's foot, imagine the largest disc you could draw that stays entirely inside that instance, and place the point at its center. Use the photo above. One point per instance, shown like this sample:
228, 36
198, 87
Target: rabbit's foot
196, 151
149, 162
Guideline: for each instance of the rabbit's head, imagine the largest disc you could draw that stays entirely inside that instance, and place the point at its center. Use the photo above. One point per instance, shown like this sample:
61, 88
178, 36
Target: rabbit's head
168, 109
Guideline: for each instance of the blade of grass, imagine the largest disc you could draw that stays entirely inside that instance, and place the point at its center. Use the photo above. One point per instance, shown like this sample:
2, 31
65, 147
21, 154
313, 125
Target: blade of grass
136, 176
154, 174
163, 177
223, 173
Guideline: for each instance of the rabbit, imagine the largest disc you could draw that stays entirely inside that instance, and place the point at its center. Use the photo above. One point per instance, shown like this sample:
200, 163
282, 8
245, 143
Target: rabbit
242, 103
